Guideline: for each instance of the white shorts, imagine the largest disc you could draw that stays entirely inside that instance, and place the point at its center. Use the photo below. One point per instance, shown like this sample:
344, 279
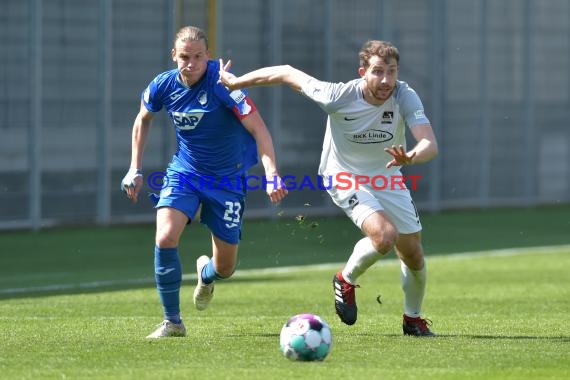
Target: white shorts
360, 203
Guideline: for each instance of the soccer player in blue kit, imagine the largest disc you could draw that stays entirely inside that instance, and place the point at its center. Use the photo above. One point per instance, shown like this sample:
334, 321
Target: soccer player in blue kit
365, 137
219, 135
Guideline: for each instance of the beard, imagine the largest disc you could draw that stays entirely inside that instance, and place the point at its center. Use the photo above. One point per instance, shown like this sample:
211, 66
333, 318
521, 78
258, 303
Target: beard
381, 93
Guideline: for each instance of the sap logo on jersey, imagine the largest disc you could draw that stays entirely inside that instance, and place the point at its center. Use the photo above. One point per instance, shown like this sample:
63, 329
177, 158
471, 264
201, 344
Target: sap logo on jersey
186, 120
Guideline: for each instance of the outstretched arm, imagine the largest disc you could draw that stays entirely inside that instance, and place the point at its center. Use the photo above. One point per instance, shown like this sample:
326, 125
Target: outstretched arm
265, 76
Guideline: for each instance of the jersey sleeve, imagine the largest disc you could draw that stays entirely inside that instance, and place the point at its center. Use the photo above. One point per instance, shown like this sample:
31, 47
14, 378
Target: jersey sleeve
242, 105
238, 101
150, 96
411, 106
329, 96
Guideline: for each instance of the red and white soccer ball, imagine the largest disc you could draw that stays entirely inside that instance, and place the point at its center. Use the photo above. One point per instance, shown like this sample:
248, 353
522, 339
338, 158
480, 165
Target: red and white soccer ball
306, 337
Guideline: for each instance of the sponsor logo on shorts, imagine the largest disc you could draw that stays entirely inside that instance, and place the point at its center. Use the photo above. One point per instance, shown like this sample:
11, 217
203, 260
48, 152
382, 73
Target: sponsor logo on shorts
353, 201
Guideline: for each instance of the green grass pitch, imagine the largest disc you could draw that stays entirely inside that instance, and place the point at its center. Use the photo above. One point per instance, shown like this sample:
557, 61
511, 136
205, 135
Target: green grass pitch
67, 312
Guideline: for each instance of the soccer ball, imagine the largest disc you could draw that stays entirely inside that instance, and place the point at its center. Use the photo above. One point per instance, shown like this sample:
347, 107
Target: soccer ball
306, 337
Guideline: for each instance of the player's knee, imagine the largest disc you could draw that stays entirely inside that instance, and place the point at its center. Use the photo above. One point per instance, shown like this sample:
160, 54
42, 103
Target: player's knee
384, 245
384, 240
410, 250
414, 259
165, 240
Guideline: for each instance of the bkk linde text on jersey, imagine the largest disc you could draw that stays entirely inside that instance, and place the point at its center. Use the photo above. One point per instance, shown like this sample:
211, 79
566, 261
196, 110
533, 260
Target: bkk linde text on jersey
372, 136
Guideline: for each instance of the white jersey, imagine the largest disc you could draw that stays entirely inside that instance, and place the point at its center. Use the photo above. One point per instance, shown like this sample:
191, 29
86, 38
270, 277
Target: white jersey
357, 132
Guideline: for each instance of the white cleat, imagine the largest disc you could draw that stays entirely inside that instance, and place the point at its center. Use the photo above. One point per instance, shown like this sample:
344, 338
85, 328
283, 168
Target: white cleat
168, 329
203, 293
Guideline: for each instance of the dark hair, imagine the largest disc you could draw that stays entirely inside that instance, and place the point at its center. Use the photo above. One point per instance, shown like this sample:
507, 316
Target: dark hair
382, 49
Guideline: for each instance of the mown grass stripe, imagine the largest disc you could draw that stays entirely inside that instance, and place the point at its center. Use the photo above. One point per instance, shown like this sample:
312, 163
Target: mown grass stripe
287, 269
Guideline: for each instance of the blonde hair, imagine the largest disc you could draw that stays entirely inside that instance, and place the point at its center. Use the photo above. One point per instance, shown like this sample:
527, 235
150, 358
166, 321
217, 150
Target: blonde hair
190, 33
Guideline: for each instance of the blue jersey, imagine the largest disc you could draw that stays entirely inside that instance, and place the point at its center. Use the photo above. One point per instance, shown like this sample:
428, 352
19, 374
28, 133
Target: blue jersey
211, 138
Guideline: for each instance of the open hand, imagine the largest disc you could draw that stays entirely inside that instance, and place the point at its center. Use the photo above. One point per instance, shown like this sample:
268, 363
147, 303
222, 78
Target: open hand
401, 157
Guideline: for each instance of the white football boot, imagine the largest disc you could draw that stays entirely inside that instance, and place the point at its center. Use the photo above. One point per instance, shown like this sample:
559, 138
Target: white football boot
203, 293
167, 329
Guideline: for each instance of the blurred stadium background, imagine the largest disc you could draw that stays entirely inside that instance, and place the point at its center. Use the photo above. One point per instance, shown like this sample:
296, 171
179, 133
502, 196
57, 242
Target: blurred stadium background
494, 77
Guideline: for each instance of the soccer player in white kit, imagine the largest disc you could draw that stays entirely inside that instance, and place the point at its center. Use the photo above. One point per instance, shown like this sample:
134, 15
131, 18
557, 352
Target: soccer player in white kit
363, 149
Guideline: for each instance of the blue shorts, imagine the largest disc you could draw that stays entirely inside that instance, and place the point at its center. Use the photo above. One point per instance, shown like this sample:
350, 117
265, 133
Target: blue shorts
222, 206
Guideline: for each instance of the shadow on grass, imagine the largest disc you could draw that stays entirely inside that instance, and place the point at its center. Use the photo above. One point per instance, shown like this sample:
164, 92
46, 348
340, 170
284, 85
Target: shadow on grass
562, 338
508, 337
439, 336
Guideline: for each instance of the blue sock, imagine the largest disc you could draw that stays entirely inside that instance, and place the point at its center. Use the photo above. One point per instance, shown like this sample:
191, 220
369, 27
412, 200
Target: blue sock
209, 274
168, 276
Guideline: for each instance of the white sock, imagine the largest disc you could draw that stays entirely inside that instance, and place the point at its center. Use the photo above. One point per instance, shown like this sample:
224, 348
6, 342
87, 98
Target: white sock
414, 286
362, 258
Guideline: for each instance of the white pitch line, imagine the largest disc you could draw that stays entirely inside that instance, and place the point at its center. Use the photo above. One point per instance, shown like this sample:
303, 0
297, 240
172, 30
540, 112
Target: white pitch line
288, 269
395, 261
82, 285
